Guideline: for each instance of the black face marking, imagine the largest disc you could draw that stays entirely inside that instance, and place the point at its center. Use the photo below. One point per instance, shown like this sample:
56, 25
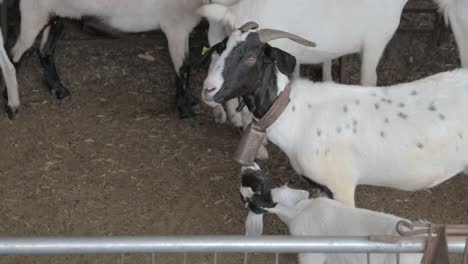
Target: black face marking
442, 117
386, 120
382, 134
260, 184
319, 132
377, 106
432, 107
345, 109
402, 115
420, 145
250, 72
414, 93
401, 105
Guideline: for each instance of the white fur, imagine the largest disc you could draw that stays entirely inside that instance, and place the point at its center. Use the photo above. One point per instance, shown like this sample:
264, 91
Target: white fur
409, 136
456, 13
325, 217
337, 137
339, 27
176, 18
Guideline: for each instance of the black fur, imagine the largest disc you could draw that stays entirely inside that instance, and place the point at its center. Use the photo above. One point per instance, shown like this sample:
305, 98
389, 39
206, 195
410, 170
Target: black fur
185, 100
260, 183
47, 58
205, 59
254, 82
322, 188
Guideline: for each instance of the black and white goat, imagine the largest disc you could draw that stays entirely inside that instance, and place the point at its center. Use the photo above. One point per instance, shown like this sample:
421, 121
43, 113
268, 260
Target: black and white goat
409, 136
176, 18
317, 217
456, 13
327, 22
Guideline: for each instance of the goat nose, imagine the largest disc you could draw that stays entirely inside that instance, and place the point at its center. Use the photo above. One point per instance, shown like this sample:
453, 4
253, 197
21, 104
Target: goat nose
208, 87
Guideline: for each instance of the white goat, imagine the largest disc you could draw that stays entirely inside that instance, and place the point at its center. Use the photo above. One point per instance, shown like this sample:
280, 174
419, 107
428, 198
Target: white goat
456, 13
9, 75
176, 18
326, 217
409, 136
339, 27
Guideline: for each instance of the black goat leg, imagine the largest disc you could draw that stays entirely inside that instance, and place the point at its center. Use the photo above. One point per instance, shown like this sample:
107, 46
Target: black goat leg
47, 58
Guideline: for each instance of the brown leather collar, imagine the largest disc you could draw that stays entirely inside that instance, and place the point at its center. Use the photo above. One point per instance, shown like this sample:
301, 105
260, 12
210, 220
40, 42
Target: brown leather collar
275, 110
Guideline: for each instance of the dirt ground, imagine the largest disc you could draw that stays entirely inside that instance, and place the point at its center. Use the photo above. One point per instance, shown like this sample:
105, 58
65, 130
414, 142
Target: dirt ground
114, 159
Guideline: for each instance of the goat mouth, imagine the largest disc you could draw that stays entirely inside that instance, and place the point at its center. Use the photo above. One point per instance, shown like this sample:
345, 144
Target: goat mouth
219, 98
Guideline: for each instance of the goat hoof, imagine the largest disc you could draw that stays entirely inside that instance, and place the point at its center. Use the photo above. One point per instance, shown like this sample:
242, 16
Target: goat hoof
60, 92
11, 112
185, 111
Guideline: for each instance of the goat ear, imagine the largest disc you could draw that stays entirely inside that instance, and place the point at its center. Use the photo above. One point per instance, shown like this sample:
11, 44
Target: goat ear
254, 224
286, 62
287, 196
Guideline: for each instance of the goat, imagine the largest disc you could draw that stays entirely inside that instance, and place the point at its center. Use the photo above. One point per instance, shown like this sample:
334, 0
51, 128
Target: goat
175, 18
408, 136
9, 75
456, 13
317, 217
339, 28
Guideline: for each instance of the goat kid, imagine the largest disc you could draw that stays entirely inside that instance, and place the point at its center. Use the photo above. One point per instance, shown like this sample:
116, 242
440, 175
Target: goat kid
316, 217
409, 136
176, 18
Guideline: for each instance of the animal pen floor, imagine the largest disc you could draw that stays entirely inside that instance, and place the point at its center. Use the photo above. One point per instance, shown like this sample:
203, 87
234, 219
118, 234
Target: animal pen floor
114, 159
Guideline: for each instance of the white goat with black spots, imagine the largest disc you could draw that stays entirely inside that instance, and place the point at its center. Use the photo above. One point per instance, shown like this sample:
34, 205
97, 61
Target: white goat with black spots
409, 136
339, 27
176, 18
456, 13
317, 217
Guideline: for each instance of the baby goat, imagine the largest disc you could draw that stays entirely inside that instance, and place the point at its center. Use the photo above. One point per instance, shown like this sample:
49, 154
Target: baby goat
318, 217
176, 18
409, 136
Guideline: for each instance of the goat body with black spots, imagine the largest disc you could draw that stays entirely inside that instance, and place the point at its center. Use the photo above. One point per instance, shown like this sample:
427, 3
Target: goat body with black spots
408, 136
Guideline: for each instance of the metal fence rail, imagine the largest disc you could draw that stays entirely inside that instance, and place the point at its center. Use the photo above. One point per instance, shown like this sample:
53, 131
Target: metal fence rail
218, 244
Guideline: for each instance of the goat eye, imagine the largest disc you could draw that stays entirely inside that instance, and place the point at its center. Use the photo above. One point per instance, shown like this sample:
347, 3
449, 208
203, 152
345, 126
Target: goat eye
251, 60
